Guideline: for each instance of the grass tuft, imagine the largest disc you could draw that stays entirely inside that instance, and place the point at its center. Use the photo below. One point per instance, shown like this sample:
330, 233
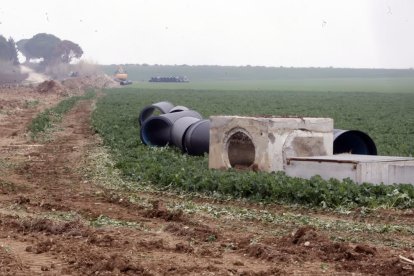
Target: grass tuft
48, 118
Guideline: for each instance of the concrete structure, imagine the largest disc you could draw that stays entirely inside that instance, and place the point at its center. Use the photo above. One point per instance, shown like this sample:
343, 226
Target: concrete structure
359, 168
265, 143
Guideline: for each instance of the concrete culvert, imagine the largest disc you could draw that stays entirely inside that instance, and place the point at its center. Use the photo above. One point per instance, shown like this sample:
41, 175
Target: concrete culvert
178, 108
156, 131
240, 149
179, 129
353, 142
148, 111
197, 138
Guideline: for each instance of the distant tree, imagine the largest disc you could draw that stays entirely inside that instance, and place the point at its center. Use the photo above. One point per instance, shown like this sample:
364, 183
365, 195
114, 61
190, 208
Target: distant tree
13, 51
8, 50
42, 46
50, 48
4, 48
67, 50
21, 46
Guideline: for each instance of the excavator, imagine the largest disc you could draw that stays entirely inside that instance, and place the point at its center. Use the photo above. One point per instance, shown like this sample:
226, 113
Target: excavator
121, 76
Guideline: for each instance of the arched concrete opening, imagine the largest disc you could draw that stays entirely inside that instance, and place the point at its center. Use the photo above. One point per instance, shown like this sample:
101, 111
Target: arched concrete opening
241, 150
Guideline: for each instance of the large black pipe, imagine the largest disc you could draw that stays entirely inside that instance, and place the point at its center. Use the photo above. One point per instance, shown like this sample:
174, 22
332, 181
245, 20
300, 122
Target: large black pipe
191, 134
353, 142
148, 111
178, 108
156, 130
197, 138
179, 129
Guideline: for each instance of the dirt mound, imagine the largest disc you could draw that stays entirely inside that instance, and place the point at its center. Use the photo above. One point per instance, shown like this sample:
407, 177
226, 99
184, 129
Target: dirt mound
50, 227
152, 244
308, 234
102, 240
201, 232
184, 247
320, 246
365, 249
104, 81
387, 267
160, 211
259, 251
41, 247
9, 264
79, 84
50, 86
308, 245
98, 263
75, 86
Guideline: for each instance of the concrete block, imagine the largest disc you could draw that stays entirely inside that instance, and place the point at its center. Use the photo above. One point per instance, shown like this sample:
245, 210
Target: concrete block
359, 168
401, 173
266, 142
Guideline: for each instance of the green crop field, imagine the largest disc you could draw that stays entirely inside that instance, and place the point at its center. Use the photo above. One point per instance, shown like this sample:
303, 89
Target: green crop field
204, 73
387, 117
377, 85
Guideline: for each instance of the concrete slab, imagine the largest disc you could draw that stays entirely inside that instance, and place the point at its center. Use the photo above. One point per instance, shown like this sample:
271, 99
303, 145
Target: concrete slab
359, 168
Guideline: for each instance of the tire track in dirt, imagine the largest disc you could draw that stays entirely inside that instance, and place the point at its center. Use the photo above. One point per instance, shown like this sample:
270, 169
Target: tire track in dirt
33, 264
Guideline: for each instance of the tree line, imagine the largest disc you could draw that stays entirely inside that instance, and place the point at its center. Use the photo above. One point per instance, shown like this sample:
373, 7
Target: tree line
48, 48
8, 51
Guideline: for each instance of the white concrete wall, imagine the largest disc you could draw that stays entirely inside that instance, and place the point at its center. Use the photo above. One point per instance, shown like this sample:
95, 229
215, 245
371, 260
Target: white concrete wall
274, 139
359, 168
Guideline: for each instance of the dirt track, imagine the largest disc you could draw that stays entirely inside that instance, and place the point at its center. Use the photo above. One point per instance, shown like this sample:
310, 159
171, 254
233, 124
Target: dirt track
55, 219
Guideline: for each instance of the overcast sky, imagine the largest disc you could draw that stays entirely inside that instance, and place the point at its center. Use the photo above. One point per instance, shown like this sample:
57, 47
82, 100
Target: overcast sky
300, 33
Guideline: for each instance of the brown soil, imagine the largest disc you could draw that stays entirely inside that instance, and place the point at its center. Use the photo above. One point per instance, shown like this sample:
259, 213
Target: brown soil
11, 77
50, 86
55, 220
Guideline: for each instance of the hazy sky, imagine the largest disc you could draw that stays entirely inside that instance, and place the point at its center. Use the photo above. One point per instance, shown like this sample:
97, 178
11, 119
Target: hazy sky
339, 33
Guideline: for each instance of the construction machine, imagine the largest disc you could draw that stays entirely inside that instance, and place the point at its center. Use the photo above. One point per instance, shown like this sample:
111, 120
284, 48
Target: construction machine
120, 74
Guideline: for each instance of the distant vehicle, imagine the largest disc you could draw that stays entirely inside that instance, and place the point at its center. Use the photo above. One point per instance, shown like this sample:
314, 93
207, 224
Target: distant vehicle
120, 74
74, 74
125, 82
169, 79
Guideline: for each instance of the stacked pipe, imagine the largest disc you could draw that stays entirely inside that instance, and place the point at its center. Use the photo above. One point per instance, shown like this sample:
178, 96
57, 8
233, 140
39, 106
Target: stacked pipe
186, 129
176, 125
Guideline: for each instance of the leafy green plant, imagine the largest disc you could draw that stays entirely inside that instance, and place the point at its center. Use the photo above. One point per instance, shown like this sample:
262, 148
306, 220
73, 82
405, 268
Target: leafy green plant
392, 128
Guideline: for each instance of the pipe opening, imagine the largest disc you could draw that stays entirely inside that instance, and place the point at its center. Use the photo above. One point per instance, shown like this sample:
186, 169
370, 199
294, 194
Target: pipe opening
156, 132
354, 142
240, 150
149, 112
154, 110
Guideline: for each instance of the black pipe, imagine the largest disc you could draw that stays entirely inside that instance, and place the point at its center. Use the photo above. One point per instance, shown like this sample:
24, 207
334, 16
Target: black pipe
178, 108
197, 138
148, 111
193, 134
156, 130
179, 129
354, 142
